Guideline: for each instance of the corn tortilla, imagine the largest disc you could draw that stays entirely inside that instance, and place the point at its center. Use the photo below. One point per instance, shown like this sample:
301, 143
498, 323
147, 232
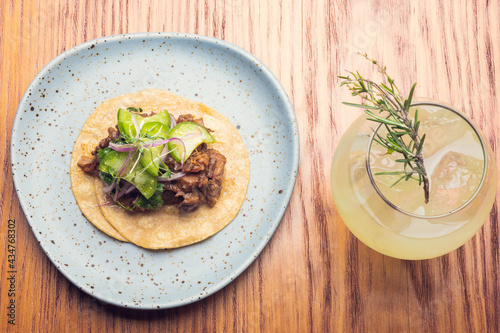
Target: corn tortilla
165, 227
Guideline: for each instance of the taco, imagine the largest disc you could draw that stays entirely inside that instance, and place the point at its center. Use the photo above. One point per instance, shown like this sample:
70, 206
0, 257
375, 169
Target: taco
158, 170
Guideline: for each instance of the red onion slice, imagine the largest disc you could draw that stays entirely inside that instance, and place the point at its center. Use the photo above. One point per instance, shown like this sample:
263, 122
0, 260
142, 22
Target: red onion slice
136, 125
126, 162
164, 153
115, 196
172, 177
173, 122
127, 188
121, 148
130, 189
192, 135
156, 143
109, 188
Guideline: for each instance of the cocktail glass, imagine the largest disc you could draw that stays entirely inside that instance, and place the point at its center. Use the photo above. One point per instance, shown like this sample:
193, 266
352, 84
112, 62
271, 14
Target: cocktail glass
395, 220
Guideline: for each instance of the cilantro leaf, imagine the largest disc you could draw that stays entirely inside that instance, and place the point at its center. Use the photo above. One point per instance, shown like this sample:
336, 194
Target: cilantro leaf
167, 173
154, 202
102, 152
106, 177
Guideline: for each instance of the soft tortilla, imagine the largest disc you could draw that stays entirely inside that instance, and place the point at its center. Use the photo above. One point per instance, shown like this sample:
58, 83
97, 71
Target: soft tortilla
166, 227
82, 183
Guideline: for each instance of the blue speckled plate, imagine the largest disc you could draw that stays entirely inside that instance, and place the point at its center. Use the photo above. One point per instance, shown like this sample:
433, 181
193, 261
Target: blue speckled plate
66, 92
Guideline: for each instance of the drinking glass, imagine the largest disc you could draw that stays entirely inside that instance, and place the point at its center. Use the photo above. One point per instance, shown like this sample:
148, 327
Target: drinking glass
394, 219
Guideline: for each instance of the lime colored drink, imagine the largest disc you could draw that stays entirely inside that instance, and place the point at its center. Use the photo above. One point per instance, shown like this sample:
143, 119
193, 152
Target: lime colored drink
394, 219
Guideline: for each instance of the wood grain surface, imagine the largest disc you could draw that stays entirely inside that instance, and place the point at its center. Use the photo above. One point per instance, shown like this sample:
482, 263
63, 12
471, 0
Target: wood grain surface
314, 275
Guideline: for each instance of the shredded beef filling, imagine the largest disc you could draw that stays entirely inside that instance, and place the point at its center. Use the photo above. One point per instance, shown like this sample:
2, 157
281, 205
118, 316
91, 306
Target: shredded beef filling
202, 183
90, 164
190, 117
215, 175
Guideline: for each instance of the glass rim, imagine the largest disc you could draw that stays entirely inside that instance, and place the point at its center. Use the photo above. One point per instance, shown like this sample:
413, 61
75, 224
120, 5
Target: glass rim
453, 211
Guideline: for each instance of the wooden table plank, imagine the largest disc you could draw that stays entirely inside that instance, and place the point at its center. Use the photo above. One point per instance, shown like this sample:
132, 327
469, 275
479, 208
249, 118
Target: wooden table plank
313, 275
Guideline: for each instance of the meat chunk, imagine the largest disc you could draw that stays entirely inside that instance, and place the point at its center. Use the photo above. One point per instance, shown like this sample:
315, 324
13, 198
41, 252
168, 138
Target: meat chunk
198, 161
172, 164
189, 189
169, 198
215, 174
192, 181
192, 201
146, 115
88, 164
189, 117
201, 186
113, 134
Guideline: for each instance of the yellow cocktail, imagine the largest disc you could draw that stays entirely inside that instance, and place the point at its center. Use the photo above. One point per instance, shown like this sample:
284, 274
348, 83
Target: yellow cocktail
395, 220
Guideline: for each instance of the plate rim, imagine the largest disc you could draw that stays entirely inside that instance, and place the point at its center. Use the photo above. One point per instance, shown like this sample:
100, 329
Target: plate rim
273, 225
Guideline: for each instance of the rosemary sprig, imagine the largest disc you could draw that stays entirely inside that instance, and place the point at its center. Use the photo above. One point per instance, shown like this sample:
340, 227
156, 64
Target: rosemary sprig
393, 115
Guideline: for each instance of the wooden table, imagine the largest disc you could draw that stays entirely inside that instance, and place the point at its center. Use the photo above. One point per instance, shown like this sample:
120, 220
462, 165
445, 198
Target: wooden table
314, 275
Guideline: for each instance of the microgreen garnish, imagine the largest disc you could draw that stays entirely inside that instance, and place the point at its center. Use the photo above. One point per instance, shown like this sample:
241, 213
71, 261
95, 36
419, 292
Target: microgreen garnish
133, 109
167, 173
125, 207
387, 100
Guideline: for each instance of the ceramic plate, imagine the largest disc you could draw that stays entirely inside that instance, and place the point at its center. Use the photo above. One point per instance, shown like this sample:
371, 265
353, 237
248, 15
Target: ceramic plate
212, 71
